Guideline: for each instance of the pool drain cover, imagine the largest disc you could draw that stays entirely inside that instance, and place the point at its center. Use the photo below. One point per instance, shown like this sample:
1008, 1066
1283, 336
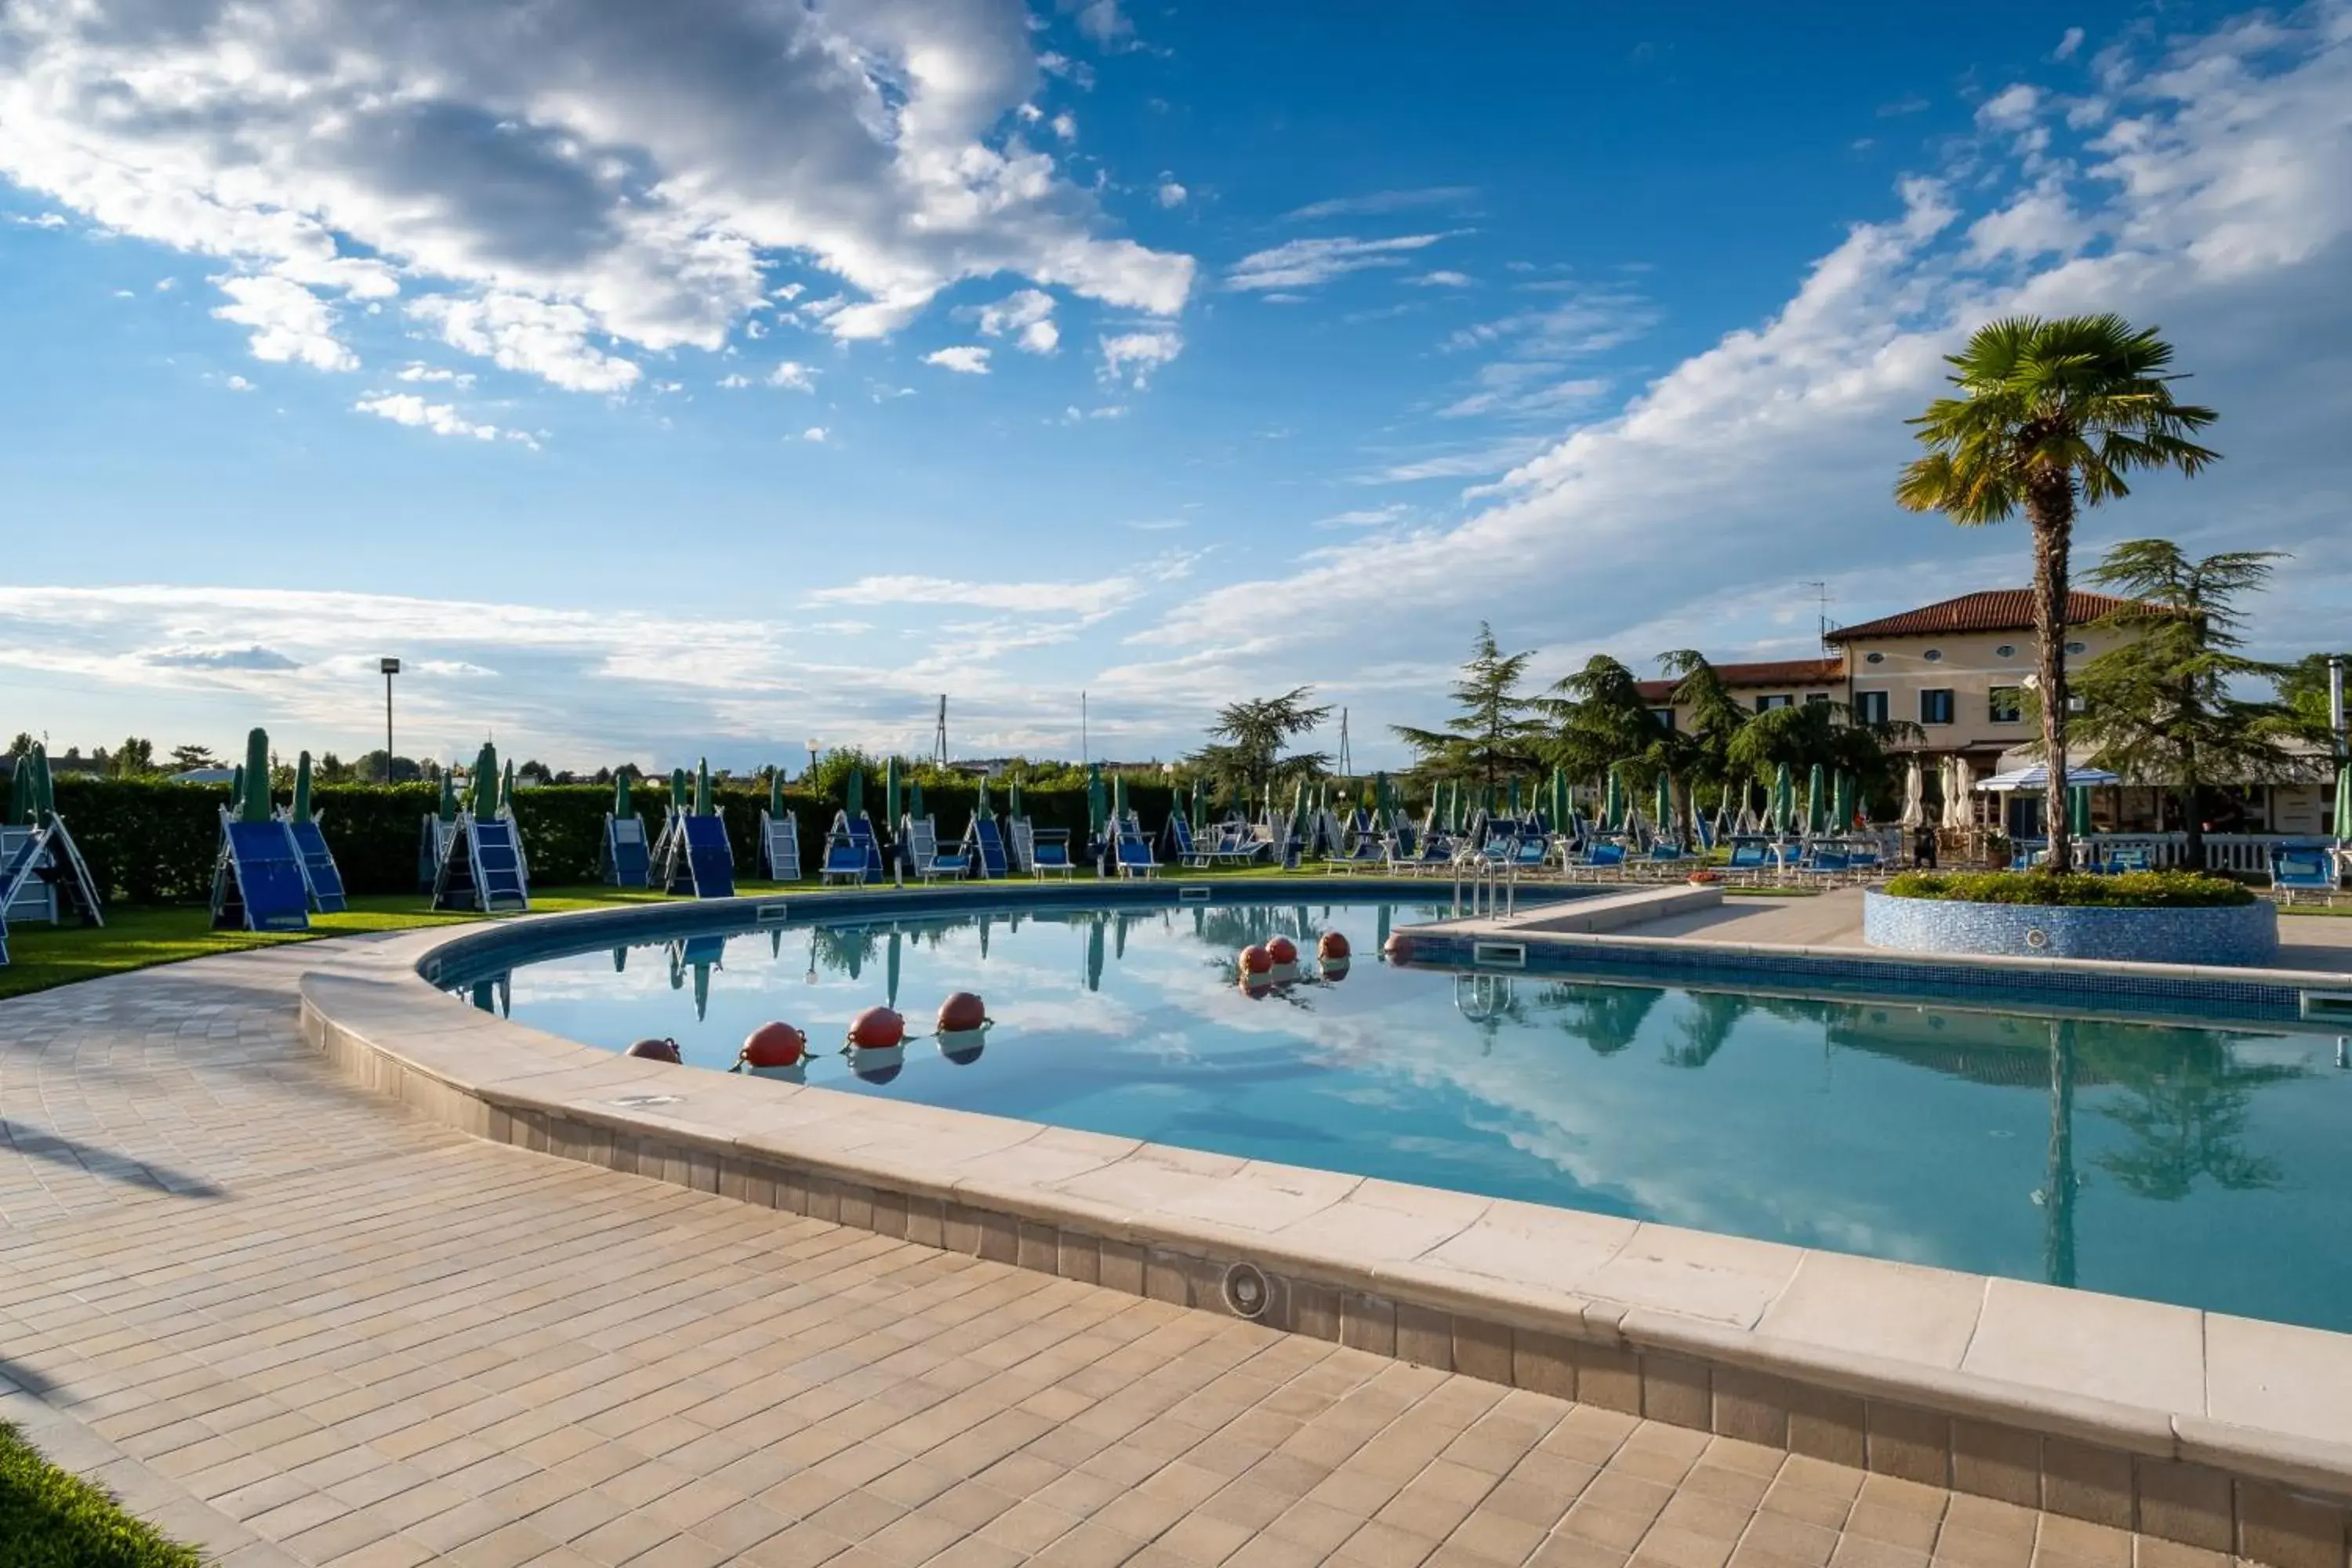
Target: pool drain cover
2037, 939
1246, 1290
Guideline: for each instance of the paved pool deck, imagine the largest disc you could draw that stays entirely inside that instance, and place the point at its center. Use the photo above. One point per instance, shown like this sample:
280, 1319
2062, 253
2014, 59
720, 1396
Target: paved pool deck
296, 1322
2314, 942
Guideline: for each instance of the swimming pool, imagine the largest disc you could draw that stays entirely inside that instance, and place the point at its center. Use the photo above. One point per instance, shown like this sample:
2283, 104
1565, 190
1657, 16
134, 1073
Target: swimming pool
2206, 1166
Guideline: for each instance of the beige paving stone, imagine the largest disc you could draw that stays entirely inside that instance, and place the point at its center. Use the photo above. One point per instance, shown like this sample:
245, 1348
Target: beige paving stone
382, 1342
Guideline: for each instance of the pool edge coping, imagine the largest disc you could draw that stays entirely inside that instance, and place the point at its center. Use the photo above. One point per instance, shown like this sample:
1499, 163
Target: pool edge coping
1167, 1223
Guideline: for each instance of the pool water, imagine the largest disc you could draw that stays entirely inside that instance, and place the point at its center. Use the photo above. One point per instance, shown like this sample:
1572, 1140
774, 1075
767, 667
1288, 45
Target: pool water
2208, 1166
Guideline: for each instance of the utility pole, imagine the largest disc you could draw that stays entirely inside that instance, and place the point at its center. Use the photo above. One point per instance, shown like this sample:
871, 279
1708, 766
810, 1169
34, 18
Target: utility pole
940, 736
1346, 762
390, 667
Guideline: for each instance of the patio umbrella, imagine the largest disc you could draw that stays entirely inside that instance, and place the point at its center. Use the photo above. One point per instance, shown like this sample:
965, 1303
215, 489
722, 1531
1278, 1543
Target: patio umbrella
1118, 798
1665, 804
890, 794
1298, 813
1380, 802
702, 788
776, 793
1914, 805
1817, 801
915, 799
1097, 801
890, 973
1964, 784
302, 787
2344, 804
1515, 797
1093, 954
1784, 799
1013, 801
1559, 803
1613, 804
2078, 810
853, 793
678, 800
486, 781
1841, 799
45, 787
448, 810
253, 790
507, 791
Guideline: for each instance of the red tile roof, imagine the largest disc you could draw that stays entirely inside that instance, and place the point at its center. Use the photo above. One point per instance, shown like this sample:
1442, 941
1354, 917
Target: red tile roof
1995, 610
1787, 672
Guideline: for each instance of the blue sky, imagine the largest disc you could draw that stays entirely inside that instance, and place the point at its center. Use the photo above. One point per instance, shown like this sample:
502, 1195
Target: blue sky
657, 387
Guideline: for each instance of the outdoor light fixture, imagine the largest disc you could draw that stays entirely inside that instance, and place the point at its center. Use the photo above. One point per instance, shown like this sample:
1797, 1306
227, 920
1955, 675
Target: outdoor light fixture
389, 667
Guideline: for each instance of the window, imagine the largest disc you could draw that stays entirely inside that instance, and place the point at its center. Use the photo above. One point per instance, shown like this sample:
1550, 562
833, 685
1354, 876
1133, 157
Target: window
2077, 648
2006, 705
1817, 698
2006, 650
1933, 655
1874, 658
1664, 716
1936, 706
1766, 704
1870, 706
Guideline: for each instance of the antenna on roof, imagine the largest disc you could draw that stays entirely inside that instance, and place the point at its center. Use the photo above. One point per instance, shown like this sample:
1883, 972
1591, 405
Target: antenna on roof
940, 735
1822, 594
1346, 763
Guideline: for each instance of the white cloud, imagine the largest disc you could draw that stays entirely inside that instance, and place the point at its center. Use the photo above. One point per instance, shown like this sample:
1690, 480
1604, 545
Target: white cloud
734, 382
580, 182
435, 373
1170, 192
964, 359
290, 324
816, 433
792, 377
1378, 202
38, 220
1087, 600
1365, 517
2009, 107
1028, 316
407, 408
1100, 20
2067, 45
1065, 126
238, 384
532, 336
1304, 263
1133, 356
1441, 279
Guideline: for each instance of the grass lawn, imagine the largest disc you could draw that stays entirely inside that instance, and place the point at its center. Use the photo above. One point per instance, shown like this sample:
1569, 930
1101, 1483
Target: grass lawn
50, 1520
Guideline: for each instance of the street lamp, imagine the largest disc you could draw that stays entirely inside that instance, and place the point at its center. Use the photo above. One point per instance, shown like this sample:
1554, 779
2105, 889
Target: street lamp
812, 773
389, 667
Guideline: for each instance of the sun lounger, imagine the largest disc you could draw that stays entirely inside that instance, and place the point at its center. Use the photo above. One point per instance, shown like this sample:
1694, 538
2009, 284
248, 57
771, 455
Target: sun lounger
780, 847
481, 867
1051, 852
2303, 868
257, 878
626, 860
1133, 850
922, 838
947, 861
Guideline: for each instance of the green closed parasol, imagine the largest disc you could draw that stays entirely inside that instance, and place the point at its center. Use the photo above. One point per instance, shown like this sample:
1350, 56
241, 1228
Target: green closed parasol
1013, 801
507, 790
890, 974
1098, 803
1784, 799
621, 805
486, 782
2078, 810
890, 792
1817, 801
447, 811
1118, 799
1665, 802
702, 803
1559, 801
1613, 804
915, 799
302, 787
776, 793
1093, 953
853, 793
253, 795
45, 787
680, 798
2344, 804
1842, 800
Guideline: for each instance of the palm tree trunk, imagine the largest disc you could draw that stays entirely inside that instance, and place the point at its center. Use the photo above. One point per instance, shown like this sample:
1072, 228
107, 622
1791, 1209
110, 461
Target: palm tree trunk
2050, 508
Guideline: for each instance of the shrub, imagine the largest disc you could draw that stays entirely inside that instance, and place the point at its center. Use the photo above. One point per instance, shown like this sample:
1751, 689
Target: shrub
2130, 890
150, 841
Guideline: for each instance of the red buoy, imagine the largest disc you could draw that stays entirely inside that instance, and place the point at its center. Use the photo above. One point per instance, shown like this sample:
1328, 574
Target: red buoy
1256, 987
774, 1044
1282, 949
1332, 944
961, 1012
1257, 960
1335, 969
657, 1051
876, 1027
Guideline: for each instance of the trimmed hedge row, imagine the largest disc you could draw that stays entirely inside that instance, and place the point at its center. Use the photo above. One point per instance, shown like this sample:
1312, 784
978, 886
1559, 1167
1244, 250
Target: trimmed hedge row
151, 842
2075, 889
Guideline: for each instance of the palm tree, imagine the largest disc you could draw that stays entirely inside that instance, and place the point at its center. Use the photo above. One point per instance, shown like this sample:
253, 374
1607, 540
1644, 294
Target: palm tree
2051, 414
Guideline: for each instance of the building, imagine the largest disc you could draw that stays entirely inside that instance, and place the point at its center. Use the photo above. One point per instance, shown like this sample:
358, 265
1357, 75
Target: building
1959, 669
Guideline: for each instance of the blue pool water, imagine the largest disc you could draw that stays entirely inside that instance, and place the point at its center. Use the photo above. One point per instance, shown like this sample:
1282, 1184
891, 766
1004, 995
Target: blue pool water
2207, 1166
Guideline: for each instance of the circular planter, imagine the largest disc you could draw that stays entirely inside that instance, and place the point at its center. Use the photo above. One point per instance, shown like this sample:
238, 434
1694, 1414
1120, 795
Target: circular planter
2238, 934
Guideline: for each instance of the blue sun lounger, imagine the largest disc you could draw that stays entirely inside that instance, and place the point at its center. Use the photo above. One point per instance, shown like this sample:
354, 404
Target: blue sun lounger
984, 843
257, 882
318, 869
1134, 856
481, 867
851, 854
1052, 853
625, 860
2303, 868
697, 858
780, 847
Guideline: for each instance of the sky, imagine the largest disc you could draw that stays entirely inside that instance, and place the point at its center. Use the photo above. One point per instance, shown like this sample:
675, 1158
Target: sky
712, 379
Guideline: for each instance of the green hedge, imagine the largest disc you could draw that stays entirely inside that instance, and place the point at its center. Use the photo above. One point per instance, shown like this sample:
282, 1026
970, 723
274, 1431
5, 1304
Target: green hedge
2129, 890
151, 842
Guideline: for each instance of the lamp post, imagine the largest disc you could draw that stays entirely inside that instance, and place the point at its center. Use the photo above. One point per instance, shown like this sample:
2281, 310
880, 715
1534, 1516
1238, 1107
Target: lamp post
812, 773
390, 667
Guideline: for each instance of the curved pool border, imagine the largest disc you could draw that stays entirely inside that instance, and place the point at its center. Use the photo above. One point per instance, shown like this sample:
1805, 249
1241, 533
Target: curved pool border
2222, 1433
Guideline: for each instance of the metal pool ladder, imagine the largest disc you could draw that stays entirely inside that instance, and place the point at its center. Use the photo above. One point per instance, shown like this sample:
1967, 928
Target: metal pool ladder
1491, 890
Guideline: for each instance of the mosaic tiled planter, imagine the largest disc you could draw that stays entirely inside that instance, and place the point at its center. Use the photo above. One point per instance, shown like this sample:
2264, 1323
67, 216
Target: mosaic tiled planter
2239, 935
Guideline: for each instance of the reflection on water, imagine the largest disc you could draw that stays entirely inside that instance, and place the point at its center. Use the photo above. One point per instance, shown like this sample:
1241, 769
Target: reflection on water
2192, 1165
